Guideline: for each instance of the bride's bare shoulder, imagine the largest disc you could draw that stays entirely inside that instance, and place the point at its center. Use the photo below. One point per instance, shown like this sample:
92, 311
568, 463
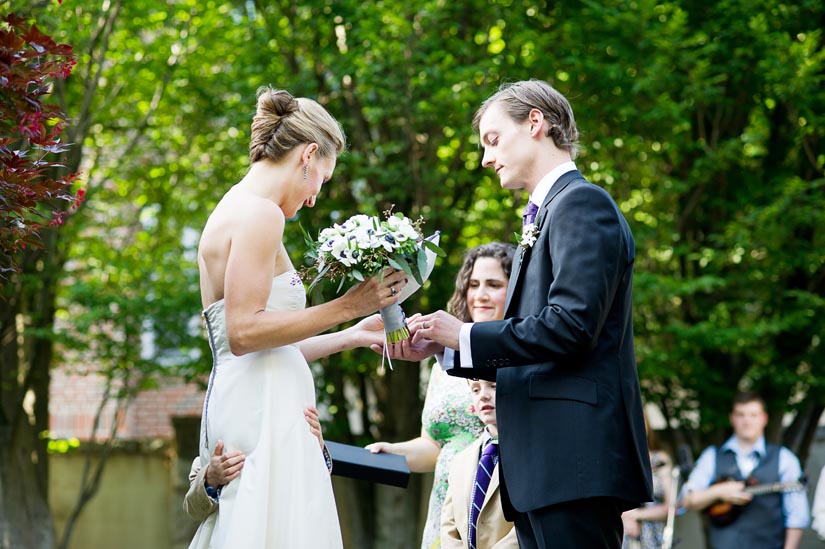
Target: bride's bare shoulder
244, 226
238, 208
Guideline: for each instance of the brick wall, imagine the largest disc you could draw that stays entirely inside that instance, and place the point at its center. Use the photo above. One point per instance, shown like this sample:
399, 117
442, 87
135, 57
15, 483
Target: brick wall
75, 398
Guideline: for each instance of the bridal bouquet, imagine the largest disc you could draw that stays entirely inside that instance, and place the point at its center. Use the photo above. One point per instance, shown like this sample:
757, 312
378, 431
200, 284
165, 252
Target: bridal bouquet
363, 246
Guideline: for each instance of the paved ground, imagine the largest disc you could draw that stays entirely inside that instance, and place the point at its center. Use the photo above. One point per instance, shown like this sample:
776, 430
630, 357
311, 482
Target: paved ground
688, 535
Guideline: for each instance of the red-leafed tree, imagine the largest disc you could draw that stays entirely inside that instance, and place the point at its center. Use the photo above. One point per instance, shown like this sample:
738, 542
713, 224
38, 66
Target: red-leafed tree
35, 190
35, 197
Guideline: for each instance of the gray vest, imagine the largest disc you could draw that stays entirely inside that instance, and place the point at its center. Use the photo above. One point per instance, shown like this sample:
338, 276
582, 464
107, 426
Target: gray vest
761, 522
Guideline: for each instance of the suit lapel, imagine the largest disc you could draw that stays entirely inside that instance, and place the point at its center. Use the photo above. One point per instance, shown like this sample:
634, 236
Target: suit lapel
469, 464
523, 254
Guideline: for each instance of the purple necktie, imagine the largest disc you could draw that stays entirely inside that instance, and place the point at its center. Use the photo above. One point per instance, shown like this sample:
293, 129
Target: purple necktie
486, 464
529, 215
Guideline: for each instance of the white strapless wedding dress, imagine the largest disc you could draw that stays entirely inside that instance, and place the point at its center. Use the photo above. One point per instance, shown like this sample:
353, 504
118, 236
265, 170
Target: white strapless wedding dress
255, 403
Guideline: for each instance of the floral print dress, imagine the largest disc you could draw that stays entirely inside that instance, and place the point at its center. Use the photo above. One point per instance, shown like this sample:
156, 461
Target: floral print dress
448, 420
653, 532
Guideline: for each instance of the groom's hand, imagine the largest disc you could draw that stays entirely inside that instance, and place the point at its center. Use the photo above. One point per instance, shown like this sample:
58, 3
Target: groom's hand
406, 349
439, 327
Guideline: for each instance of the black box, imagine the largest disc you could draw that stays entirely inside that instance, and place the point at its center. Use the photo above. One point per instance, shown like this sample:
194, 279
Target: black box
359, 463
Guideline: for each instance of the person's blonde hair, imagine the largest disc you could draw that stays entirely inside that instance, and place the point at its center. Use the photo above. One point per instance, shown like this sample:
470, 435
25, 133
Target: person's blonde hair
282, 122
519, 98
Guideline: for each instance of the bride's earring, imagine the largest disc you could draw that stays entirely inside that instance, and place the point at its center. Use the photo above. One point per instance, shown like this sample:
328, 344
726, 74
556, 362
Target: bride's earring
306, 171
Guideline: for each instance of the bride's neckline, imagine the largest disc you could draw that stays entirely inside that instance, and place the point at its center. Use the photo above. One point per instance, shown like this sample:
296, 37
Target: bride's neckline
274, 278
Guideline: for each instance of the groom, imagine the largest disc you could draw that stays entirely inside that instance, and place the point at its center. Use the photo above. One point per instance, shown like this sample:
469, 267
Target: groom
573, 449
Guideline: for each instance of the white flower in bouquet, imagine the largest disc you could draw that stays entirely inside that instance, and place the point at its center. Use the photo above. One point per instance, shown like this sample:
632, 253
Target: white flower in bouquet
402, 229
363, 246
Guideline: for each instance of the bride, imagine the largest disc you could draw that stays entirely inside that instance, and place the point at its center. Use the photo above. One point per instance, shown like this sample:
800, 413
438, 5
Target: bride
261, 335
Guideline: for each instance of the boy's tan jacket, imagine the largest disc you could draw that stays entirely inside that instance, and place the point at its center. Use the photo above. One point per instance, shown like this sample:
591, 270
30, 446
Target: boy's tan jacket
493, 531
197, 504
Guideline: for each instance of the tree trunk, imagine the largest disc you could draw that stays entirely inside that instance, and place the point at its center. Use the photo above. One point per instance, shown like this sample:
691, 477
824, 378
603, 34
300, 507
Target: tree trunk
397, 511
800, 434
25, 519
397, 516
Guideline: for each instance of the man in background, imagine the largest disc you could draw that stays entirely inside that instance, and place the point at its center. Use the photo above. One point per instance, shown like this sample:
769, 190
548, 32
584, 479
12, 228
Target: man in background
719, 483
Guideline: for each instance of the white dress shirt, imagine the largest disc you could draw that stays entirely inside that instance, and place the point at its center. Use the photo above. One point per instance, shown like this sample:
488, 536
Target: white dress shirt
536, 197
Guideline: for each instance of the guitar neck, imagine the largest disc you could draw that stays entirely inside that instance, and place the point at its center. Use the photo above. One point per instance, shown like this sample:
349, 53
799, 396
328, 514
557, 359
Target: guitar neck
774, 487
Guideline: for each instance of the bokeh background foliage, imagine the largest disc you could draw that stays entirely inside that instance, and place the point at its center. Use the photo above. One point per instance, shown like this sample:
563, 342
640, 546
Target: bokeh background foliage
704, 121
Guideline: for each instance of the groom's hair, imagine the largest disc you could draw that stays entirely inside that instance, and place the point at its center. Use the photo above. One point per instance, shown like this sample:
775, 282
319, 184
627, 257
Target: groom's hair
457, 306
519, 98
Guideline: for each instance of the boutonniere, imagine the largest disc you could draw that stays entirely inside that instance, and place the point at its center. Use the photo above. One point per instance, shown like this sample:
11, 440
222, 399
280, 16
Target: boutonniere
528, 236
530, 233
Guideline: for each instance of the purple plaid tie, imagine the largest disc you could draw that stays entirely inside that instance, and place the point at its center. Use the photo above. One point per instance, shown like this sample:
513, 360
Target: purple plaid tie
489, 458
529, 215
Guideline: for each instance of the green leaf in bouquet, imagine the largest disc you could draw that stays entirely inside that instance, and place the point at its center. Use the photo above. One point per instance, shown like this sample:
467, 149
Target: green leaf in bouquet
356, 274
422, 266
310, 242
402, 263
395, 264
321, 272
340, 285
434, 248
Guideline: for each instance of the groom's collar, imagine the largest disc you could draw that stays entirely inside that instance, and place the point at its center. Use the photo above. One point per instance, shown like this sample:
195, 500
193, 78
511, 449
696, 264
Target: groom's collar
546, 183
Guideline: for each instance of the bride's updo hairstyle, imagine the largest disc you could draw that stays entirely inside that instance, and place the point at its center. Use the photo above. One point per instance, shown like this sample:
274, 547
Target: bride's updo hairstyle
283, 122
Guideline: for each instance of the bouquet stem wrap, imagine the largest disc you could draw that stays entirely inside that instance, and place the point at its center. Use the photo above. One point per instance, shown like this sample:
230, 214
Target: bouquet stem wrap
395, 323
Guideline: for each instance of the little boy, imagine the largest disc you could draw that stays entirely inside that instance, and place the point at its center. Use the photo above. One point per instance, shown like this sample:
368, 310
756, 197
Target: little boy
472, 516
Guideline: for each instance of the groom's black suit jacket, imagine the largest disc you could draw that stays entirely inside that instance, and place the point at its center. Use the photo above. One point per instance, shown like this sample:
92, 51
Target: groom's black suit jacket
568, 404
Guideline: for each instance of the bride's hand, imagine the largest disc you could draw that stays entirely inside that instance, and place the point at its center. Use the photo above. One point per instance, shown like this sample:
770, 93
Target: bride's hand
368, 331
375, 292
372, 323
407, 350
412, 349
